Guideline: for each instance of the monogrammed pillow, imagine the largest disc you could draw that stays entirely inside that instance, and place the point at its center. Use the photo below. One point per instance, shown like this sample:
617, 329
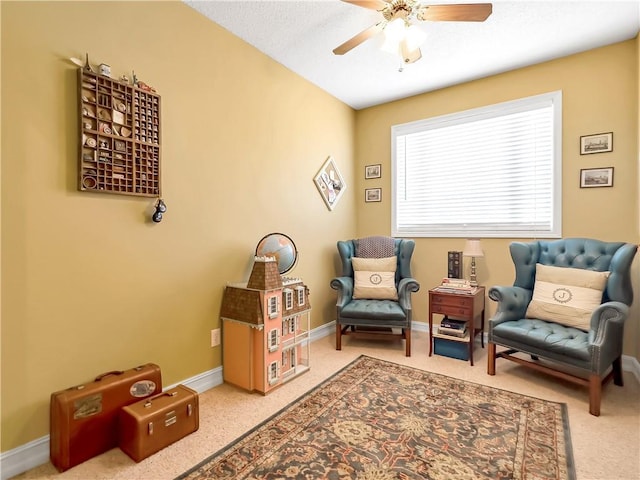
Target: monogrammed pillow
375, 278
566, 295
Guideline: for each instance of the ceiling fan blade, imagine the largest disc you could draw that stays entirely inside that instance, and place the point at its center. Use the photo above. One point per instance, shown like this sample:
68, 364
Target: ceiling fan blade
371, 4
409, 56
359, 38
470, 12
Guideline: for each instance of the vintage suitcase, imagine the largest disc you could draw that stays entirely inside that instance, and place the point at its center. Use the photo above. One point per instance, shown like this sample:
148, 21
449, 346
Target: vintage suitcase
84, 418
150, 425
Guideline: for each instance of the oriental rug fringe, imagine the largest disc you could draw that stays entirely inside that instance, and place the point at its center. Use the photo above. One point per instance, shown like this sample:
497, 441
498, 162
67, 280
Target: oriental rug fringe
376, 420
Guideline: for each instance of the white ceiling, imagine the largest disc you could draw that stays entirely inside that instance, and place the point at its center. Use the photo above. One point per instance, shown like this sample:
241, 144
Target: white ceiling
301, 34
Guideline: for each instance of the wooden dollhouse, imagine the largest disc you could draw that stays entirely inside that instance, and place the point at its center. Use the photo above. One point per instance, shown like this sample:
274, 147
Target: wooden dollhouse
265, 329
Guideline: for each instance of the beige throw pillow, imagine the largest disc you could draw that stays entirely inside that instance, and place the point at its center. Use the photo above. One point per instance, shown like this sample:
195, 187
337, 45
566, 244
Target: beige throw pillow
566, 295
375, 278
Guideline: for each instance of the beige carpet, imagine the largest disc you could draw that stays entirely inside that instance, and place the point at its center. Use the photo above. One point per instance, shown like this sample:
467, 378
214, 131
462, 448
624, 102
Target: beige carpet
604, 448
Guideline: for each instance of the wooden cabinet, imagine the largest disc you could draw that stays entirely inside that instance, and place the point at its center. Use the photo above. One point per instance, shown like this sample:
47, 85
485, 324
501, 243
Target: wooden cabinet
462, 306
120, 137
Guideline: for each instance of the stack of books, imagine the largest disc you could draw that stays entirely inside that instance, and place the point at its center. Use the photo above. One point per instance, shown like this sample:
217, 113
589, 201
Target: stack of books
453, 328
456, 285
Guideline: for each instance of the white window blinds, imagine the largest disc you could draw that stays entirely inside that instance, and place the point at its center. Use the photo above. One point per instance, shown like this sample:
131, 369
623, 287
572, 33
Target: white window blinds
489, 172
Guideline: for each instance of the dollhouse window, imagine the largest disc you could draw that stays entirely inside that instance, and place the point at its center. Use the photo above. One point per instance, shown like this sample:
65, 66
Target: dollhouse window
273, 307
292, 324
300, 292
274, 372
274, 338
288, 299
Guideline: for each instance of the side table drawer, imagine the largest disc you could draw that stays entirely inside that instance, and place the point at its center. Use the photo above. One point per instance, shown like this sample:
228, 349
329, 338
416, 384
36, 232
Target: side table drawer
452, 300
451, 310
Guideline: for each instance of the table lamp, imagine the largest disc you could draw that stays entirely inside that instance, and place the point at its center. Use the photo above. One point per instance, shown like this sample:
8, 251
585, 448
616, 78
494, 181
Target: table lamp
473, 249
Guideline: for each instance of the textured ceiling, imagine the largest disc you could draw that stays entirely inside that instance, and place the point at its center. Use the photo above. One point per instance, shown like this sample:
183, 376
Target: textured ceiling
301, 35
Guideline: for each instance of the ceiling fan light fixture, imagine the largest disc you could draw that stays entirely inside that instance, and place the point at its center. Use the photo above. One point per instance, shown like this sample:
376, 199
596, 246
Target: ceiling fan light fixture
394, 31
414, 37
403, 39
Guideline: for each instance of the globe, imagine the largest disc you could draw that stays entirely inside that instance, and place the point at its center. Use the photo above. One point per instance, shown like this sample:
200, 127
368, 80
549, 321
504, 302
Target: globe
281, 247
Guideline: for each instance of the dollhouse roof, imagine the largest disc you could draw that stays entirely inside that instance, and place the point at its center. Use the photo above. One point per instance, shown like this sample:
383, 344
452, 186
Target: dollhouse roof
265, 274
242, 305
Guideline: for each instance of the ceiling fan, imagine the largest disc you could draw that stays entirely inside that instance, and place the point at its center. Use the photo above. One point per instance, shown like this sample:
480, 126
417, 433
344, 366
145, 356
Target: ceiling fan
398, 17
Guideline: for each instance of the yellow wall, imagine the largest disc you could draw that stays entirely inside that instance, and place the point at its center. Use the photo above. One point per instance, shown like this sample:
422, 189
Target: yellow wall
636, 271
600, 94
89, 284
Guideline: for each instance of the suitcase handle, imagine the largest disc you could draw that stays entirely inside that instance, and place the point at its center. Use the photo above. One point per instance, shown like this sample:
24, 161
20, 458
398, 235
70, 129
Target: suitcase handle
112, 372
150, 400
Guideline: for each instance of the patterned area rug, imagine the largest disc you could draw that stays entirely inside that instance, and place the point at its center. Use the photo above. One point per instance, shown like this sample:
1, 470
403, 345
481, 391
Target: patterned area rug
376, 420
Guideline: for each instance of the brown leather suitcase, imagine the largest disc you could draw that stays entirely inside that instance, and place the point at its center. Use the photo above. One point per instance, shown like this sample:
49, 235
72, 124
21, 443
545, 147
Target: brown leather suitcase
84, 418
148, 426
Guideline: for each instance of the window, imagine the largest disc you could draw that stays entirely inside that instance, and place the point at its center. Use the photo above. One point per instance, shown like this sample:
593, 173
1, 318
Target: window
274, 340
274, 373
300, 291
288, 299
273, 307
493, 171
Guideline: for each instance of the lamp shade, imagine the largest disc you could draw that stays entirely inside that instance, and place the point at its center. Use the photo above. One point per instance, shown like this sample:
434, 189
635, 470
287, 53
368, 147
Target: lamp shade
472, 248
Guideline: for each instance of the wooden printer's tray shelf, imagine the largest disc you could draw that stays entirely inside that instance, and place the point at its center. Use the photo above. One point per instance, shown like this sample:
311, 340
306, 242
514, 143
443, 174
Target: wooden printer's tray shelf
120, 137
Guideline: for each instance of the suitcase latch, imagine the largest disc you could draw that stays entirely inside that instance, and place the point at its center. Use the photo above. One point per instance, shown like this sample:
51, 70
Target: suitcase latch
150, 428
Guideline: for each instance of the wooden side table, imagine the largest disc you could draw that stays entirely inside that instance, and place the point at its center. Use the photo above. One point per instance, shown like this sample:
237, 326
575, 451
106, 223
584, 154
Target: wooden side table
462, 306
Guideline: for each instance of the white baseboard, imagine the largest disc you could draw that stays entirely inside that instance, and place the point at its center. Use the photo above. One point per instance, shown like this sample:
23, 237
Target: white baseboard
35, 453
25, 457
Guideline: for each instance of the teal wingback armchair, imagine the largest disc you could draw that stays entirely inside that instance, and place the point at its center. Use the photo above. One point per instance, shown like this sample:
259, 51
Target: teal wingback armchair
595, 353
374, 315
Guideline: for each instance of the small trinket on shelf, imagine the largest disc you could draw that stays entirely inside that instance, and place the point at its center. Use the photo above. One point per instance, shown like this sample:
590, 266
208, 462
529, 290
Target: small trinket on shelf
105, 70
87, 65
144, 86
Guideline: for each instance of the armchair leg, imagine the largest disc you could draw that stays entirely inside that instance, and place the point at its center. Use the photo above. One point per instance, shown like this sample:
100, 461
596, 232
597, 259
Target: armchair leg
338, 337
491, 358
595, 394
407, 336
617, 372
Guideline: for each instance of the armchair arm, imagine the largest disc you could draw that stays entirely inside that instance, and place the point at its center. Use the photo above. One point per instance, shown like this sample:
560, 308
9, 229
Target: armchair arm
606, 334
407, 286
512, 303
344, 286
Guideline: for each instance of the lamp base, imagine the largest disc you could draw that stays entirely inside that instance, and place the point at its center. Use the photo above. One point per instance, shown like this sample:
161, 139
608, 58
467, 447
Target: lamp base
473, 281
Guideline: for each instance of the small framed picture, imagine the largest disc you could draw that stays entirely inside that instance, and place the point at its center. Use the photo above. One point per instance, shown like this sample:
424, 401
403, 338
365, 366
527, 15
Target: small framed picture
373, 195
597, 143
373, 171
596, 177
120, 146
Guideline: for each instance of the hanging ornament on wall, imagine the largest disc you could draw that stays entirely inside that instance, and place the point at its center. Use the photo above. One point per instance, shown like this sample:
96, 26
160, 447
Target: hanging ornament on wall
160, 209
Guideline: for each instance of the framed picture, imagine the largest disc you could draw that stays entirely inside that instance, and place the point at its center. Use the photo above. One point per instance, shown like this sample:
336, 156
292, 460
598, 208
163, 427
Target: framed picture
597, 143
330, 183
373, 195
596, 177
373, 171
